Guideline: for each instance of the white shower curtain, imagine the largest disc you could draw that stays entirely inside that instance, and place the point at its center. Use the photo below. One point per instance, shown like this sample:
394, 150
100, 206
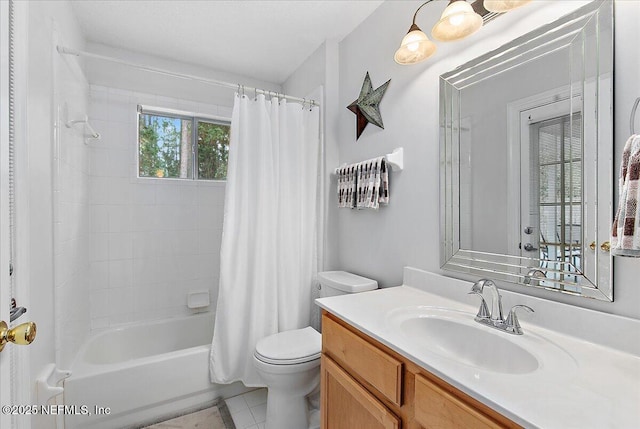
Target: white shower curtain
268, 255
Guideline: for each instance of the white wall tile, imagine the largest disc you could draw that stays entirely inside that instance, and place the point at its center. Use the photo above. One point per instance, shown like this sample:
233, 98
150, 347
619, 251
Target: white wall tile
99, 275
162, 236
120, 245
120, 218
167, 102
145, 271
120, 301
99, 190
143, 193
120, 273
119, 190
120, 164
208, 241
98, 300
146, 243
99, 218
100, 246
144, 297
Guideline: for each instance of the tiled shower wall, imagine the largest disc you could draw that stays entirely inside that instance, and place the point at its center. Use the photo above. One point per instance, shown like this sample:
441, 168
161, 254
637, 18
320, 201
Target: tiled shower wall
153, 240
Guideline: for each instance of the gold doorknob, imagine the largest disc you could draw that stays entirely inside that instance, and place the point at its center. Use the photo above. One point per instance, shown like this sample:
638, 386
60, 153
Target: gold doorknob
606, 246
22, 334
592, 246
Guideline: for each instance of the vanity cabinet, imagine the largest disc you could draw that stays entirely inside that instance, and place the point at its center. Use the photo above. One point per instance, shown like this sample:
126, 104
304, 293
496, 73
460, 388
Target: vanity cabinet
364, 384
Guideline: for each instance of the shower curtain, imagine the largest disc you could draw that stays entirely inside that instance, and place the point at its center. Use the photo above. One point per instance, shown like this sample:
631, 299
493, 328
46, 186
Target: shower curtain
269, 246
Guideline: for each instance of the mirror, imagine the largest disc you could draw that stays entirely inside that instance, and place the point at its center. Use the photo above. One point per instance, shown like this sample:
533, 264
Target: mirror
526, 174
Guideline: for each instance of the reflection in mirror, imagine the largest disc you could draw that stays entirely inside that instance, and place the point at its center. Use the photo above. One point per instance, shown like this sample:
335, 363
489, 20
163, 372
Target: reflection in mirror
526, 158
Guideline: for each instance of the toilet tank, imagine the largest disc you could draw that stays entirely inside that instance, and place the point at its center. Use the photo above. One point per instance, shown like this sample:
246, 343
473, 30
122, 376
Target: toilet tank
341, 282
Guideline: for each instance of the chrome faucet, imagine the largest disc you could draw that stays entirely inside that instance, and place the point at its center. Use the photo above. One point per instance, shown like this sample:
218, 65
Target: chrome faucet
534, 273
495, 318
495, 315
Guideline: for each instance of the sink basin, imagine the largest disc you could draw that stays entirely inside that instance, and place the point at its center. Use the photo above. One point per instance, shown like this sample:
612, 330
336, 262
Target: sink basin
455, 335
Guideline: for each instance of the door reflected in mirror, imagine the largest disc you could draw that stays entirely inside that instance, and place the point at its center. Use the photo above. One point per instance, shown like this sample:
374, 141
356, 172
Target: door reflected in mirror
526, 158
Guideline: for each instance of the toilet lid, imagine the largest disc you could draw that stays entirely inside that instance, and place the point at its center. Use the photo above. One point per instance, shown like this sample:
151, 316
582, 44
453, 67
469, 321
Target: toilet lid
290, 347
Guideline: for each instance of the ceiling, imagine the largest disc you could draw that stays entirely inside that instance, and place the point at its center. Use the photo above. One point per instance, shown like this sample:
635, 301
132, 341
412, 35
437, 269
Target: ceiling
266, 40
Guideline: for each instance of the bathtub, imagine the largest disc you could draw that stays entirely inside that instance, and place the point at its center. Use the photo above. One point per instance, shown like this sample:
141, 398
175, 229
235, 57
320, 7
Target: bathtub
143, 373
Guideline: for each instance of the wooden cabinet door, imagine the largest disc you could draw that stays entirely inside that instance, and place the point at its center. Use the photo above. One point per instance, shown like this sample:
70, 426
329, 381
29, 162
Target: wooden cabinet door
437, 408
348, 405
363, 359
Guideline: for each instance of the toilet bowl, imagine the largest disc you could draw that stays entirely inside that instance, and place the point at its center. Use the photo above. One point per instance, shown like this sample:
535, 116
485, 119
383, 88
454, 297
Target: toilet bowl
289, 362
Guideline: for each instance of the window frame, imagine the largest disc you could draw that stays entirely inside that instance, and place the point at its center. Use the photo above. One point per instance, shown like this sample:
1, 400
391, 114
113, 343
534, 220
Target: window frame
195, 119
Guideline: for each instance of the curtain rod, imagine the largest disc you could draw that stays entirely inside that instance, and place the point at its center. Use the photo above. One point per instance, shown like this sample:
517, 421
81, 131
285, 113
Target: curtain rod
241, 88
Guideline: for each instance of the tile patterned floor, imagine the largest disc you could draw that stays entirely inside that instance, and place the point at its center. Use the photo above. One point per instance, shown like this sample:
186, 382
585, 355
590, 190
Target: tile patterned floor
209, 418
249, 411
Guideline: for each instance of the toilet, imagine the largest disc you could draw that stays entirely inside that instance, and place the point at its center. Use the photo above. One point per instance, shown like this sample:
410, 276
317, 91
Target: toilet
289, 362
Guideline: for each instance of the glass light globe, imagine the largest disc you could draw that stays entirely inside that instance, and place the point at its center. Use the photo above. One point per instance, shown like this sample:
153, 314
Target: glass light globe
458, 21
502, 6
415, 47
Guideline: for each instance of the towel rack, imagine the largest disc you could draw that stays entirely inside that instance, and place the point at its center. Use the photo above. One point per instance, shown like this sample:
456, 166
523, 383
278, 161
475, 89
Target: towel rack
395, 159
633, 115
92, 135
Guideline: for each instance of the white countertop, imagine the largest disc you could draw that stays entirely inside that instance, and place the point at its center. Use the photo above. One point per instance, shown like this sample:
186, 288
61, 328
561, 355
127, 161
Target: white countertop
586, 386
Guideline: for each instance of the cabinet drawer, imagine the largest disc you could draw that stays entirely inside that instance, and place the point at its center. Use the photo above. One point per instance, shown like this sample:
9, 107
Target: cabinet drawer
437, 408
362, 359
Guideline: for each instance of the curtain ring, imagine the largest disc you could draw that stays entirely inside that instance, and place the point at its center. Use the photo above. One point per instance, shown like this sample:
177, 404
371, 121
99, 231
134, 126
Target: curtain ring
304, 100
255, 94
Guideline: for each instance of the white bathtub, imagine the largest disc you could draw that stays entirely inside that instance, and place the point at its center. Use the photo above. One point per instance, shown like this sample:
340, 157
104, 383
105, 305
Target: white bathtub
143, 373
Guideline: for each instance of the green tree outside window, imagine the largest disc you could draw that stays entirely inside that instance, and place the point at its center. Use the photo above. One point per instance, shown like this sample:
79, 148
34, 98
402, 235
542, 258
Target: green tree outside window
166, 147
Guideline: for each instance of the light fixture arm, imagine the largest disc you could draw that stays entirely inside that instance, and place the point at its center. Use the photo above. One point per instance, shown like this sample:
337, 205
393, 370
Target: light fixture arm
418, 9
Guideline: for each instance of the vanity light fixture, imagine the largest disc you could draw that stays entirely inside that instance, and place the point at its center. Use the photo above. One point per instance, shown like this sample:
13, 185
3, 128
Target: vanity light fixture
459, 20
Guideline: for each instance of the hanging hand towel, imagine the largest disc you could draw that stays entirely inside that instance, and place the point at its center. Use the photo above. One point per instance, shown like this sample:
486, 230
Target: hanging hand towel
364, 185
375, 183
625, 234
346, 185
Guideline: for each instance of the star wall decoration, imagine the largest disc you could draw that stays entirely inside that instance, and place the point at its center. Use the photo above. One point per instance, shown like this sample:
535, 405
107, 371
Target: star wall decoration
366, 107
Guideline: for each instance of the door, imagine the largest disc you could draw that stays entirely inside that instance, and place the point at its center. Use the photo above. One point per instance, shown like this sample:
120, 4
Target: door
5, 384
551, 188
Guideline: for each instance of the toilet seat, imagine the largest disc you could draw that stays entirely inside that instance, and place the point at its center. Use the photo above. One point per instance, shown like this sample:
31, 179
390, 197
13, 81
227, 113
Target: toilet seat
290, 347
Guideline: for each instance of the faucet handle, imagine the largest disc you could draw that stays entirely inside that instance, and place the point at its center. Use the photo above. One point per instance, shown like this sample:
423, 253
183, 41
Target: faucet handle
483, 311
512, 324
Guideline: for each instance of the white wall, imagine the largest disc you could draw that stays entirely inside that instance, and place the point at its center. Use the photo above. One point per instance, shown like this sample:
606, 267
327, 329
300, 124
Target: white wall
153, 240
405, 233
321, 69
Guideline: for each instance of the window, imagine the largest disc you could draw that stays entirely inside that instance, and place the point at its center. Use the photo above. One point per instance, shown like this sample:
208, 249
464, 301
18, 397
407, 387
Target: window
181, 146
